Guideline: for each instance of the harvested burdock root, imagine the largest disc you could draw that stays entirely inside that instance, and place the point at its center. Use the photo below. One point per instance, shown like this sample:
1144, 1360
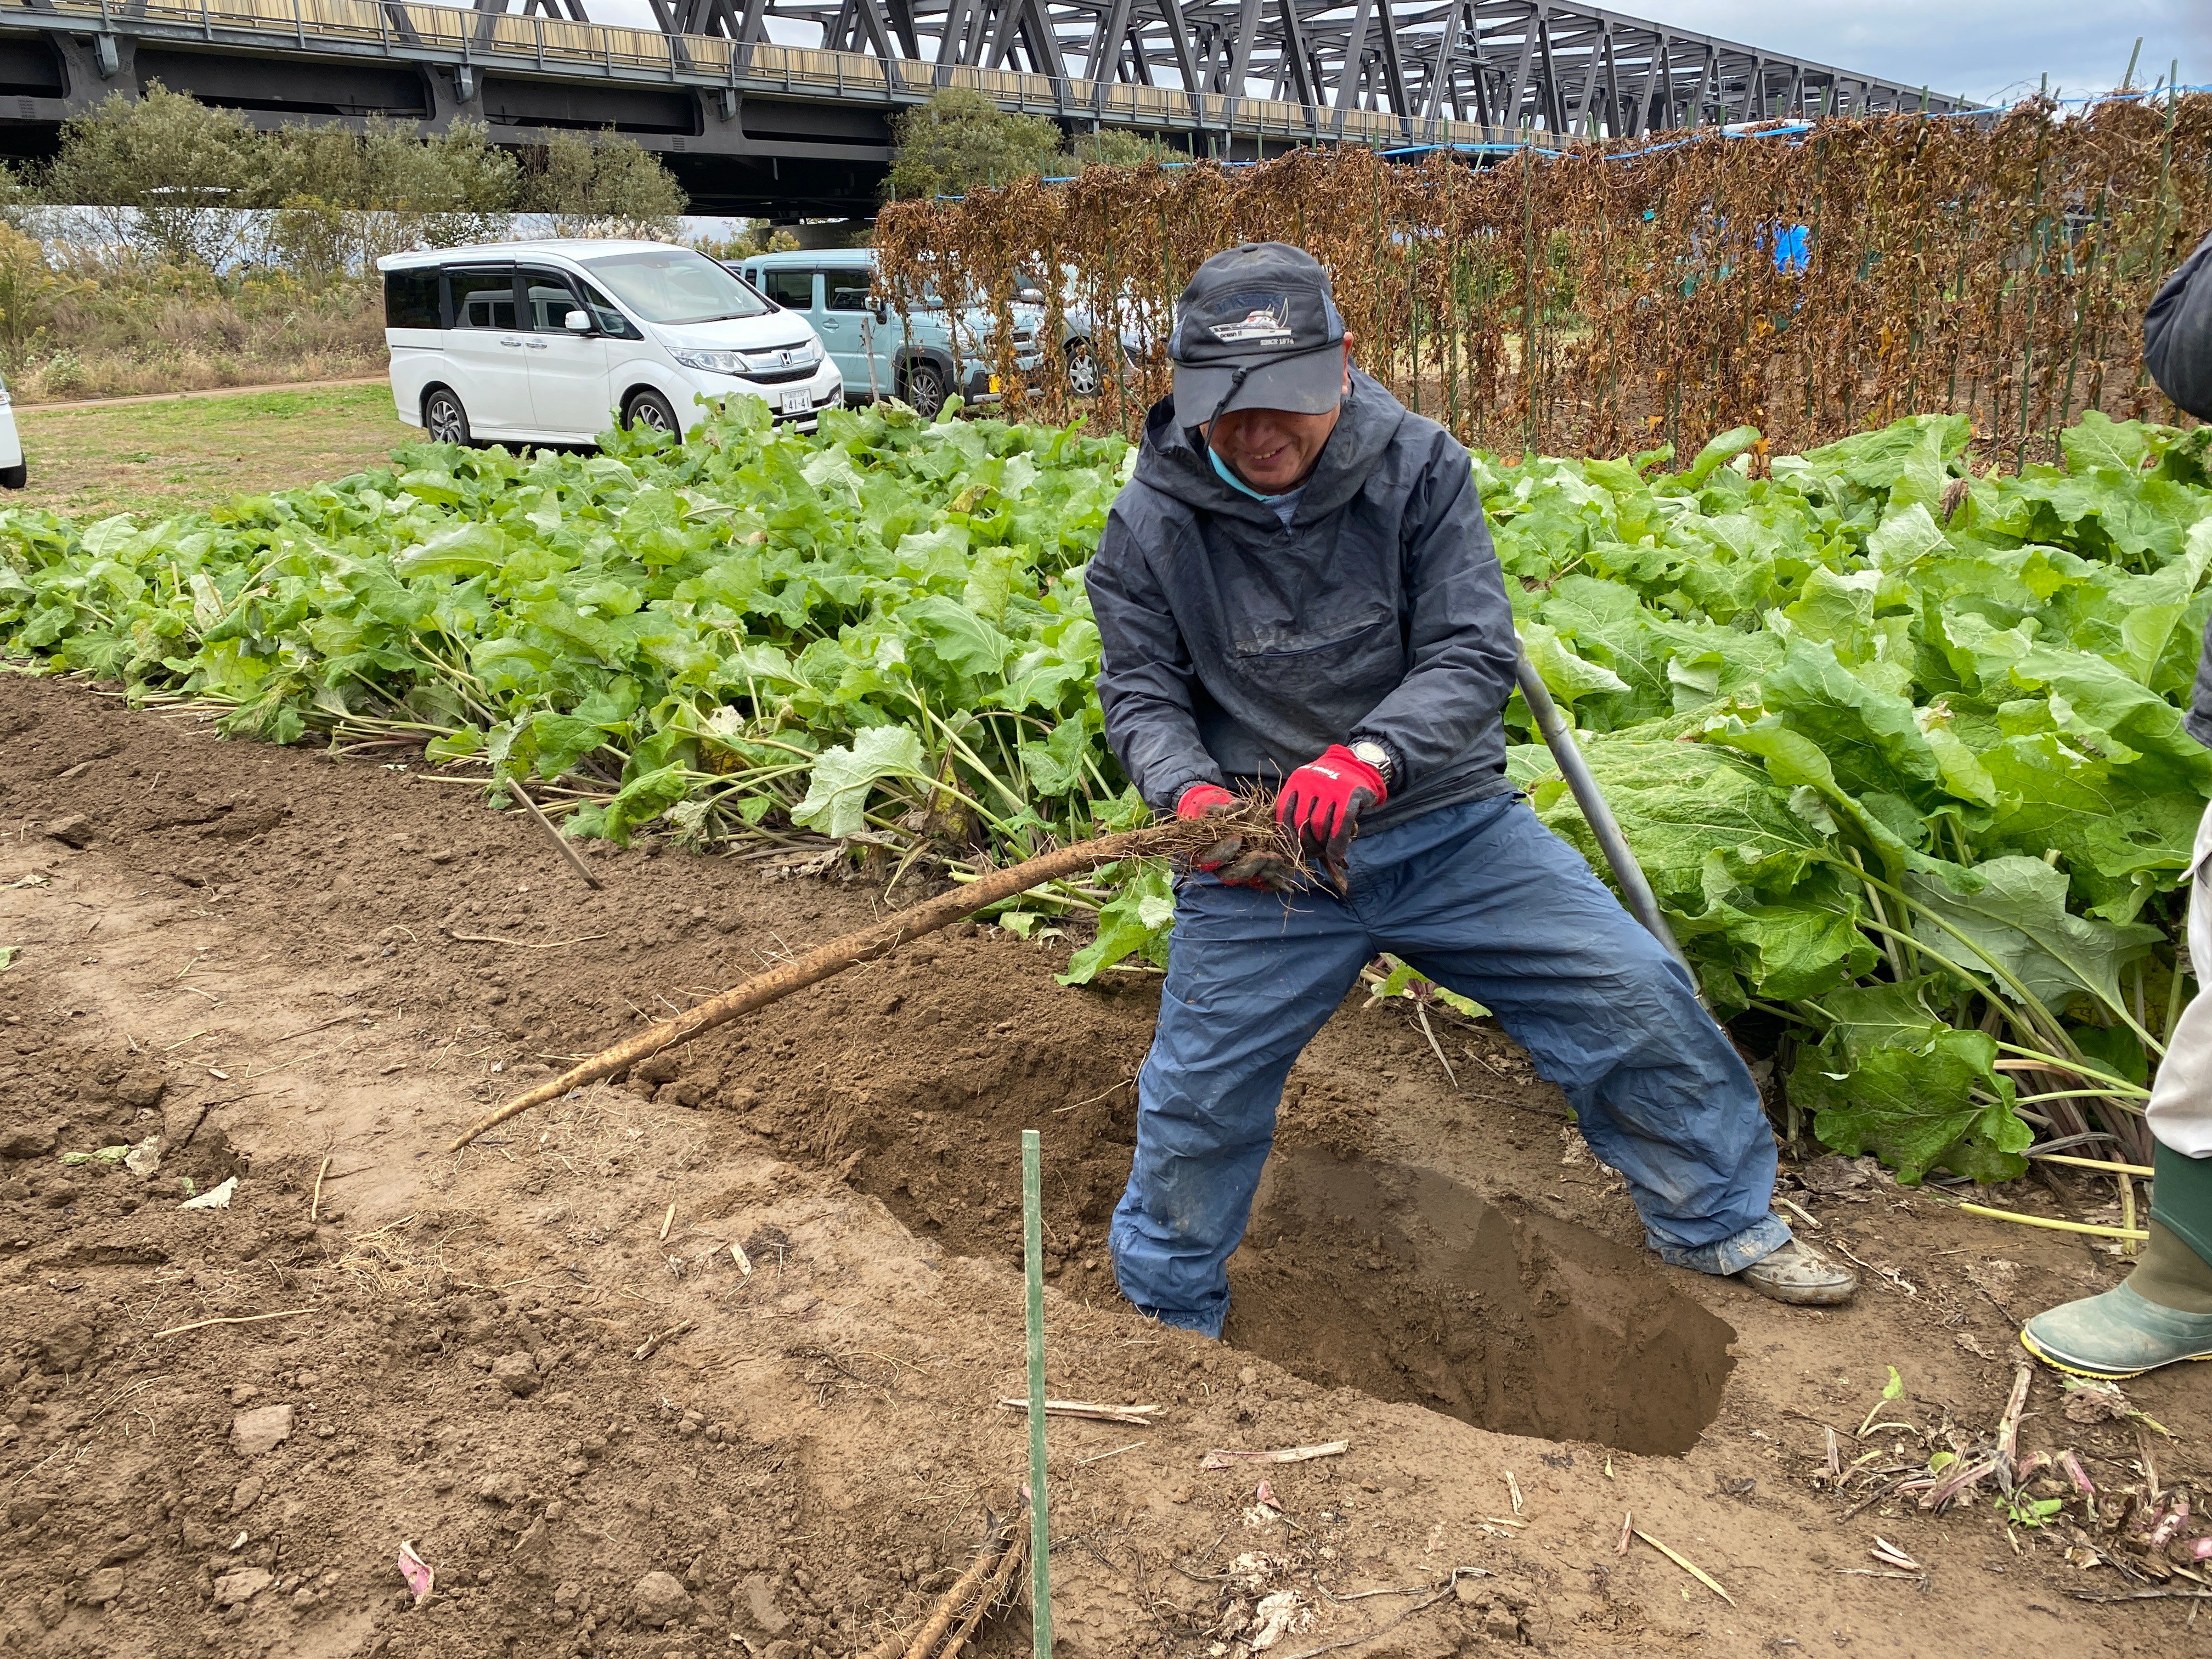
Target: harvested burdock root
985, 1586
1255, 823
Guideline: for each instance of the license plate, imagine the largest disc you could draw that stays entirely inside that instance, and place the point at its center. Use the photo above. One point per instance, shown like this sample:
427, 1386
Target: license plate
798, 402
994, 383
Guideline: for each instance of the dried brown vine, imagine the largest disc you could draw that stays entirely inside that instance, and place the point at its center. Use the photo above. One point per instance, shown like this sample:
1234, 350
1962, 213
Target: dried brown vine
1627, 295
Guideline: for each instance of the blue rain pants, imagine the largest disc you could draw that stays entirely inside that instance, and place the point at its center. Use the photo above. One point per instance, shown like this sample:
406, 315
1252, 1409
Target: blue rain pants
1487, 903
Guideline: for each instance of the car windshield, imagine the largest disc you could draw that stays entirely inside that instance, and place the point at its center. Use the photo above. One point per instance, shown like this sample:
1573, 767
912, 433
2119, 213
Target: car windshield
676, 285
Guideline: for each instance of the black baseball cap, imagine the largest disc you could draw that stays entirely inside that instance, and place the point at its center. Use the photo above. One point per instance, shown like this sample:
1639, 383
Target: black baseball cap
1257, 328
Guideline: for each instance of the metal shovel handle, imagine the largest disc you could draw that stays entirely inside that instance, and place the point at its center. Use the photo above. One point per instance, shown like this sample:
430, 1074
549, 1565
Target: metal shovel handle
1634, 888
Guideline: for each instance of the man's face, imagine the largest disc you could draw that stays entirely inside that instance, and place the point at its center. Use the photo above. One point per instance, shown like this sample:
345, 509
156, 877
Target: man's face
1272, 449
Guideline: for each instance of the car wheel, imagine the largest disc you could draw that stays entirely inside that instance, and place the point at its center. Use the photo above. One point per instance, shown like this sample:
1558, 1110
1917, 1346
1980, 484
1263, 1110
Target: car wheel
448, 423
925, 389
16, 476
1083, 377
649, 411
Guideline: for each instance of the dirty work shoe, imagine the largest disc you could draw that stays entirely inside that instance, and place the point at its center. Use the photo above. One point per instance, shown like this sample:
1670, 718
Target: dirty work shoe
2120, 1333
1799, 1275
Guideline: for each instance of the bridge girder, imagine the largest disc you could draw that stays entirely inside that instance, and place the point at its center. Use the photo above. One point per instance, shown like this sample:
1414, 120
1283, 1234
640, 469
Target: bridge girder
1547, 65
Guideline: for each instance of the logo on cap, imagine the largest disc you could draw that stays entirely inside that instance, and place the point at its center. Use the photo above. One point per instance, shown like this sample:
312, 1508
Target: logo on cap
1267, 321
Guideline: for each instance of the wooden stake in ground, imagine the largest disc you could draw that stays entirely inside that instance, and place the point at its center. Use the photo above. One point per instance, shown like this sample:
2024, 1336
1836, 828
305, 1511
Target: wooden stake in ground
514, 788
1033, 1274
1255, 825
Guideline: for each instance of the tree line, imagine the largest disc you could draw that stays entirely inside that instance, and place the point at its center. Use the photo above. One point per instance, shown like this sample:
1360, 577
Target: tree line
162, 175
960, 141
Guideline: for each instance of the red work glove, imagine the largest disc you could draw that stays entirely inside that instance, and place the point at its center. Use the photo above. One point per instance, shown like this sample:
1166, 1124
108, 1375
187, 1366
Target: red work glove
1321, 801
1200, 799
1227, 857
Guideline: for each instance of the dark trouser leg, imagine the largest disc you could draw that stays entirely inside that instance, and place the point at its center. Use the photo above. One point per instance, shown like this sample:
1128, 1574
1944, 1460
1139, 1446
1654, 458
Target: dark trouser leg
1486, 900
1251, 976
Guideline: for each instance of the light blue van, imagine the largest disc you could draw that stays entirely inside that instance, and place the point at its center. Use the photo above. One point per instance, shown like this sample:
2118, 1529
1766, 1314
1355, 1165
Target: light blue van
879, 356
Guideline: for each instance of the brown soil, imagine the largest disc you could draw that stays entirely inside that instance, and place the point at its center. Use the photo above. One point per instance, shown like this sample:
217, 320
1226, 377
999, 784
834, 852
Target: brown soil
261, 959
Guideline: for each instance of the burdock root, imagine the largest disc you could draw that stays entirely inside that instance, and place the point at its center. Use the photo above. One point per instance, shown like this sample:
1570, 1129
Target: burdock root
1178, 837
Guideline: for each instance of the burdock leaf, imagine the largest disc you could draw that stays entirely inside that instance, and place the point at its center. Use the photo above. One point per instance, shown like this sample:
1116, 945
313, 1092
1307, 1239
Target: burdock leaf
1567, 675
1055, 765
1870, 737
962, 641
1888, 1015
642, 799
837, 792
1134, 923
2134, 729
1913, 1107
2101, 441
2019, 920
1718, 452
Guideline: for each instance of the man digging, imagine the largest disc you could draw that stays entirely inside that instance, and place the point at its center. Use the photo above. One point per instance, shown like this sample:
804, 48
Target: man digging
2163, 1312
1297, 593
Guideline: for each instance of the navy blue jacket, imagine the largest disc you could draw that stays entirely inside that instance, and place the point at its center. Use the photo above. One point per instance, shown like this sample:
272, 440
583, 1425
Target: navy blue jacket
2178, 352
1237, 649
2178, 334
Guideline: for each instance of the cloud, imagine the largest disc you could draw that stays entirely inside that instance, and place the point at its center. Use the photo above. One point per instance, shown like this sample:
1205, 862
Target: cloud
1986, 49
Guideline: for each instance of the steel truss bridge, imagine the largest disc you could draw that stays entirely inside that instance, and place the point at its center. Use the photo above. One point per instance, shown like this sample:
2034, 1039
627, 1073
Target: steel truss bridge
752, 124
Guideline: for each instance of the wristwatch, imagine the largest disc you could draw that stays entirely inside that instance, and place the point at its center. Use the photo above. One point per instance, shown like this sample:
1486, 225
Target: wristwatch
1376, 756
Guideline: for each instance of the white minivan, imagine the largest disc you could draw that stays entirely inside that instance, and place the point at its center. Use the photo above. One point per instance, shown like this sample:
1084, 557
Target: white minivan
14, 472
555, 342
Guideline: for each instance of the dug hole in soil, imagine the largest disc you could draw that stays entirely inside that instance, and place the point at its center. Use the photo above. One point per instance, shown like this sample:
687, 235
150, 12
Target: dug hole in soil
539, 1363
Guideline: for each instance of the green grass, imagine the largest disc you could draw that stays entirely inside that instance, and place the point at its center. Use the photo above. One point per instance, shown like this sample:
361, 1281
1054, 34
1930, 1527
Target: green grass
155, 459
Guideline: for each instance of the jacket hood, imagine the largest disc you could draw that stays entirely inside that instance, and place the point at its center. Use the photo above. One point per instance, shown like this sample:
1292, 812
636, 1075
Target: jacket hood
1173, 462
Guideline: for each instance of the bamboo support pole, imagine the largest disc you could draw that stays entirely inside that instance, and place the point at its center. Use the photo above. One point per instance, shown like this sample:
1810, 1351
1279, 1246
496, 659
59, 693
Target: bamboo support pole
1033, 1276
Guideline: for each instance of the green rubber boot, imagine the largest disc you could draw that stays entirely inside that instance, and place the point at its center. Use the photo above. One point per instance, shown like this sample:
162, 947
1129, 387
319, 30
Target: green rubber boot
2163, 1314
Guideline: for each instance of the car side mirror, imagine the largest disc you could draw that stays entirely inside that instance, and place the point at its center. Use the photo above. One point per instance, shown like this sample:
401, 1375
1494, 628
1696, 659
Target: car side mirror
578, 322
882, 310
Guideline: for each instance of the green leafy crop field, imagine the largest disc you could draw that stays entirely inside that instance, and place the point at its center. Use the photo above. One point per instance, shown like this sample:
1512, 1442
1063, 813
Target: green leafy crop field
1900, 748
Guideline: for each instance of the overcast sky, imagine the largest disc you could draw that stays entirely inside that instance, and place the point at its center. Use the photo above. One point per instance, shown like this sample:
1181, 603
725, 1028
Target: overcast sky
1984, 49
1992, 50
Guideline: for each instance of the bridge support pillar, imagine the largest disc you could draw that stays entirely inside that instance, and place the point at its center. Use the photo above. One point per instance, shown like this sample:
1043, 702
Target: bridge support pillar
456, 95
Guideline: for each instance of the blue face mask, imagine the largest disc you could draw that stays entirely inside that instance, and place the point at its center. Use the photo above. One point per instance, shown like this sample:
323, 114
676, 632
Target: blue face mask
1230, 478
